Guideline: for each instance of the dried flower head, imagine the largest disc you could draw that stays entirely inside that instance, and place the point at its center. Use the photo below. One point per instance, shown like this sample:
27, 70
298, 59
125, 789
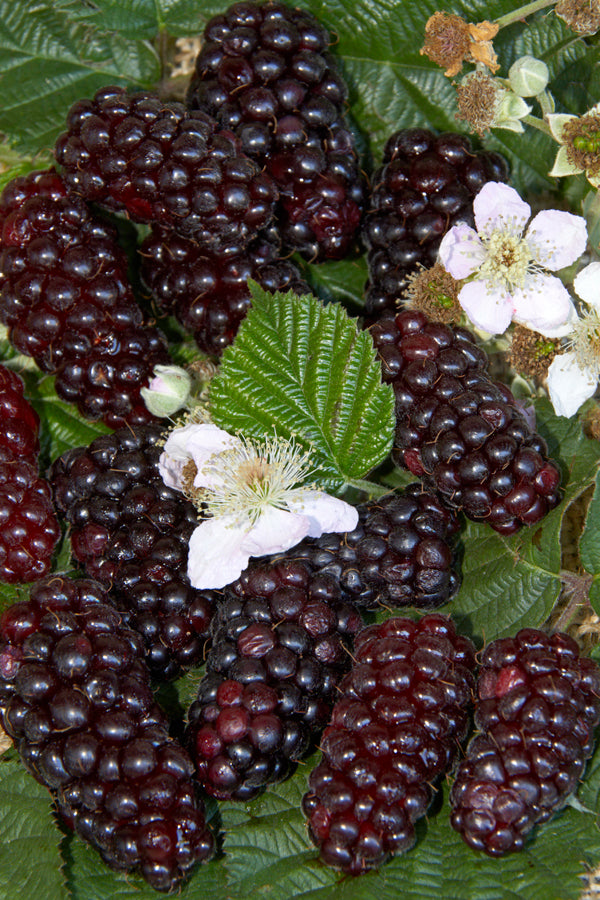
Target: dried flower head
531, 353
450, 41
435, 292
582, 16
485, 103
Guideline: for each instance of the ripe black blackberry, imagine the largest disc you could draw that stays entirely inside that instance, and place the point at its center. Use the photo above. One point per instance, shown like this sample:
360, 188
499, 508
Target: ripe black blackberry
264, 71
164, 164
20, 422
538, 707
393, 732
280, 647
75, 697
425, 185
460, 432
67, 301
131, 532
208, 293
400, 554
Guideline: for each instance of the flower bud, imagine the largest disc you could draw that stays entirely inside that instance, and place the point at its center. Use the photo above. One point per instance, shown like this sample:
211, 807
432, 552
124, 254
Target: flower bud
528, 76
168, 392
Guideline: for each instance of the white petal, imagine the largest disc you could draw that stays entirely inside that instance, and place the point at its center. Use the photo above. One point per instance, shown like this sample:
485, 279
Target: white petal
569, 385
488, 309
559, 331
216, 556
587, 284
324, 513
174, 456
556, 123
499, 206
203, 443
461, 252
275, 530
563, 166
543, 303
557, 238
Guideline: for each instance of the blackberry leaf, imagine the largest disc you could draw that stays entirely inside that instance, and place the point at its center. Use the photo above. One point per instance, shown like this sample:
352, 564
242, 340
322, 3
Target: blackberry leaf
589, 542
306, 370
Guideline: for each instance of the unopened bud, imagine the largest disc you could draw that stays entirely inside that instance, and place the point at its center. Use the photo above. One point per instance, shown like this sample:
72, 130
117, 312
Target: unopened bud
168, 392
528, 76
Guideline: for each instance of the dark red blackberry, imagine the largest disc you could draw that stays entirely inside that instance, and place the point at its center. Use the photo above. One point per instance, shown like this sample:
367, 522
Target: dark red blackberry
164, 164
67, 301
400, 553
208, 293
20, 422
538, 707
75, 697
460, 432
425, 185
394, 730
280, 646
264, 72
131, 532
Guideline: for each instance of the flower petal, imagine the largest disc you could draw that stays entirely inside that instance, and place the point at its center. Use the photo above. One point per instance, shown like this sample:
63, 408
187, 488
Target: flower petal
216, 555
587, 284
563, 166
324, 513
461, 252
488, 309
556, 123
203, 443
569, 385
543, 303
175, 455
499, 206
276, 530
556, 238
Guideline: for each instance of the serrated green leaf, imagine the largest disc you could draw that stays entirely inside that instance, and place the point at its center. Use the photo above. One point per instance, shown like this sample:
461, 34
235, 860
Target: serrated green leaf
589, 542
306, 371
143, 19
342, 281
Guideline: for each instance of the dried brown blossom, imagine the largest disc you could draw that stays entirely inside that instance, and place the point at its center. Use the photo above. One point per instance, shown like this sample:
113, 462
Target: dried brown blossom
581, 138
531, 353
477, 99
450, 41
435, 292
582, 16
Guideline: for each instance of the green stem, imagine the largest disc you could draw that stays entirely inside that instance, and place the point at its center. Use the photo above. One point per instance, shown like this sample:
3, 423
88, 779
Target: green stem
537, 123
523, 11
546, 101
371, 488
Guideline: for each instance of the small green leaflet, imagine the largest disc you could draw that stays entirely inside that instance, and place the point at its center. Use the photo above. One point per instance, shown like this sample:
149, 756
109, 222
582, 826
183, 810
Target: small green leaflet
306, 371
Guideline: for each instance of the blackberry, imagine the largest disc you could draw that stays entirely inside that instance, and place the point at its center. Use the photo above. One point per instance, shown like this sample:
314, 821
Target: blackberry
208, 293
280, 647
459, 431
131, 532
164, 164
264, 71
400, 553
425, 185
20, 422
75, 697
538, 706
394, 731
67, 301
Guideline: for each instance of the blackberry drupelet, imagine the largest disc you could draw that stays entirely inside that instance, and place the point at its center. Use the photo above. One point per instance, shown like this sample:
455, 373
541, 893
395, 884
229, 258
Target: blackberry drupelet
281, 639
164, 164
537, 710
208, 293
400, 554
20, 422
459, 431
75, 697
67, 301
394, 730
264, 71
131, 532
425, 185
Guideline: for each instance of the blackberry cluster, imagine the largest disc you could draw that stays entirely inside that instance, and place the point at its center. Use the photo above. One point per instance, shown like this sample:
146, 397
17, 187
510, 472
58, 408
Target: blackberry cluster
425, 185
538, 707
394, 730
75, 697
280, 647
459, 431
264, 72
131, 532
400, 553
208, 293
163, 164
67, 301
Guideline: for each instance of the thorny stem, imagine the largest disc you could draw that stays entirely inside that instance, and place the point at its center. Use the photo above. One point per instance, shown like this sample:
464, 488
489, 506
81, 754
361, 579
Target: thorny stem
577, 588
523, 11
369, 487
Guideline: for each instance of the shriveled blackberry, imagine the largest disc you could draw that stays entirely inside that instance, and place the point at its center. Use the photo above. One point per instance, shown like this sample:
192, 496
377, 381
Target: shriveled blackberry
75, 697
280, 647
20, 422
400, 553
67, 301
395, 729
537, 710
208, 293
460, 432
425, 185
131, 532
164, 164
264, 71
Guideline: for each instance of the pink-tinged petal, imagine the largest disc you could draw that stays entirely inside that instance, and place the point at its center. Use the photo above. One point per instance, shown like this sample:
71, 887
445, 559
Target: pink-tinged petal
556, 238
587, 284
556, 123
216, 556
276, 530
499, 206
324, 513
490, 310
566, 328
562, 165
461, 252
569, 385
542, 304
203, 443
